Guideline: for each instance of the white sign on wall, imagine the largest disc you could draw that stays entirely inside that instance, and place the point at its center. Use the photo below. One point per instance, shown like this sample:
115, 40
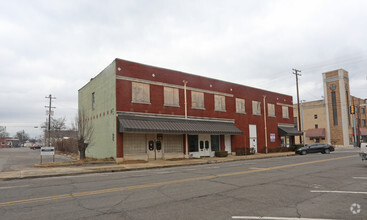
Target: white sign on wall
47, 151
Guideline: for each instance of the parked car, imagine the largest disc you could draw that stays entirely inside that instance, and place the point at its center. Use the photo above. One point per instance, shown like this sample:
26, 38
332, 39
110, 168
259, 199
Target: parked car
35, 147
316, 148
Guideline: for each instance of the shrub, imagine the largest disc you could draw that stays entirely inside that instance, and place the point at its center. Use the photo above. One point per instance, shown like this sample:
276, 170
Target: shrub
221, 153
240, 151
278, 149
295, 147
67, 145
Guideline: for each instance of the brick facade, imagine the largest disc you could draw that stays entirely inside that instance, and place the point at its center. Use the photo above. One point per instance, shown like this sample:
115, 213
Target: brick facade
112, 92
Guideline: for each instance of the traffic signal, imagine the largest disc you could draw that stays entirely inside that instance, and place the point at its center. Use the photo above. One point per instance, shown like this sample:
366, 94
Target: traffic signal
352, 109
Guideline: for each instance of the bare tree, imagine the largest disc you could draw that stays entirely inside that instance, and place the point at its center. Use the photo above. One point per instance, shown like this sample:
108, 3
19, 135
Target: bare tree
85, 132
3, 132
22, 136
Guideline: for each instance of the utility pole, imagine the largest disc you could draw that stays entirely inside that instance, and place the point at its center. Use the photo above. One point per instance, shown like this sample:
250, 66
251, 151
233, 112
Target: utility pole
297, 73
49, 112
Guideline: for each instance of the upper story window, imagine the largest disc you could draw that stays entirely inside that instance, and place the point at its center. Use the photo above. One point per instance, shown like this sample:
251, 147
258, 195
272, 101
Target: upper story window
315, 116
219, 103
363, 122
363, 111
285, 112
256, 108
271, 110
316, 126
140, 93
197, 100
240, 105
93, 101
171, 96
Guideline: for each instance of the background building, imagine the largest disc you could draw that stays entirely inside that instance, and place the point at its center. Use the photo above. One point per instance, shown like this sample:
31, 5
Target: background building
145, 112
329, 120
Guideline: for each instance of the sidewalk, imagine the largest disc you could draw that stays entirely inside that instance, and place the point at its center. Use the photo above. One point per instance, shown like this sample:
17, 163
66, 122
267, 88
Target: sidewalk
76, 170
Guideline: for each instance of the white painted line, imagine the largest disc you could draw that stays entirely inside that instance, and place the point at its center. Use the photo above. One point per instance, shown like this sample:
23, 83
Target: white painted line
276, 218
343, 192
164, 172
360, 178
11, 187
255, 168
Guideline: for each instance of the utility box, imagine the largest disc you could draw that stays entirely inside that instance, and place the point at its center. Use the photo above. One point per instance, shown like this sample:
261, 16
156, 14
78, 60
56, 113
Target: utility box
363, 152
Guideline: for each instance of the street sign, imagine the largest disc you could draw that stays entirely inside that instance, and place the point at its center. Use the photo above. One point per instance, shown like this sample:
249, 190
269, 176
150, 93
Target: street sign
47, 151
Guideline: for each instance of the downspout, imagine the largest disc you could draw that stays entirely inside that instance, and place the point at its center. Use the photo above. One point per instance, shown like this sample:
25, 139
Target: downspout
186, 135
266, 129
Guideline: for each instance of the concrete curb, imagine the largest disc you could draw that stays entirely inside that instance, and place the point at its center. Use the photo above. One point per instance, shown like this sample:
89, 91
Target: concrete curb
70, 171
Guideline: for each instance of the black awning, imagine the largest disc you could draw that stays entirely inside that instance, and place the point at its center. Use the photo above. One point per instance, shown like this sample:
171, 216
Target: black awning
181, 126
288, 131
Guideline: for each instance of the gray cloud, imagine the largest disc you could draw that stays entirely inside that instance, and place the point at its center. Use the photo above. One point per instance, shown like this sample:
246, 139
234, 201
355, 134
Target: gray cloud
55, 47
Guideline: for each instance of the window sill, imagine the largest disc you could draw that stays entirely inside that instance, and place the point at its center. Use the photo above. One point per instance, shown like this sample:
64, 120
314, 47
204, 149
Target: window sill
217, 110
257, 114
135, 102
271, 116
197, 108
243, 113
171, 105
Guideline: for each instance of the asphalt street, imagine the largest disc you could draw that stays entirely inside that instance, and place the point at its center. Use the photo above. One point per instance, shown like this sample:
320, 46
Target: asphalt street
20, 158
317, 186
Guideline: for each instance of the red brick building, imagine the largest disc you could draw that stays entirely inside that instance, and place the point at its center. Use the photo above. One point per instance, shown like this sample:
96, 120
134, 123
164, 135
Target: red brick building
144, 112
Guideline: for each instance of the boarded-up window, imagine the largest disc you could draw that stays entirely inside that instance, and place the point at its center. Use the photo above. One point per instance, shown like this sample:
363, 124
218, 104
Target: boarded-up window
140, 93
173, 143
256, 109
285, 112
240, 105
134, 143
219, 103
197, 100
171, 96
271, 110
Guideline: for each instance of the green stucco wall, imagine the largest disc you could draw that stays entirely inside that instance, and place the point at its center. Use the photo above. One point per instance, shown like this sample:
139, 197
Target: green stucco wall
103, 116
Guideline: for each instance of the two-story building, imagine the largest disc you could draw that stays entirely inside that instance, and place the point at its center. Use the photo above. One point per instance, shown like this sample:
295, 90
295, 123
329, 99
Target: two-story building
145, 112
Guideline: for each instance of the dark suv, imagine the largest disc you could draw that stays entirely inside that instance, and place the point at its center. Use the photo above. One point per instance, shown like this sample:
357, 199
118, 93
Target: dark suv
316, 148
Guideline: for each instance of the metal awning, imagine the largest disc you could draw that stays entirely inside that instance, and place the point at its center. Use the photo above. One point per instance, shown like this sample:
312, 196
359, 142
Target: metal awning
288, 131
315, 133
176, 126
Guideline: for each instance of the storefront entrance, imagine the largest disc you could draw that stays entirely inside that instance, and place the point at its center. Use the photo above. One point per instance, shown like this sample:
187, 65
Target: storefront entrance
203, 145
154, 146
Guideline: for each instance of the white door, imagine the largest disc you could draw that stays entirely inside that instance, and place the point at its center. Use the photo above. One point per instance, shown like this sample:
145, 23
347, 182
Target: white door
253, 138
154, 147
204, 145
227, 143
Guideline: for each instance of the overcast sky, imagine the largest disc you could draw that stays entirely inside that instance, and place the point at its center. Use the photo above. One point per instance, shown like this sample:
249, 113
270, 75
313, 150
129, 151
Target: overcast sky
55, 47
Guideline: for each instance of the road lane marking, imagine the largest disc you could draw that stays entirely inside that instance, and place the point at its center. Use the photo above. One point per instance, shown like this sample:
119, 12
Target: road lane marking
11, 187
343, 192
277, 218
360, 178
149, 185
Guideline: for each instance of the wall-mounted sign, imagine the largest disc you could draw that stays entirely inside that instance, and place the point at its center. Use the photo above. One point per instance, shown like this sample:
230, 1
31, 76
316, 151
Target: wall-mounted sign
272, 137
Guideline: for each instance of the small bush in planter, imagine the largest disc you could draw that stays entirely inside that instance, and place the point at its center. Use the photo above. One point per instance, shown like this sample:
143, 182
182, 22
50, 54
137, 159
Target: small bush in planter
221, 153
